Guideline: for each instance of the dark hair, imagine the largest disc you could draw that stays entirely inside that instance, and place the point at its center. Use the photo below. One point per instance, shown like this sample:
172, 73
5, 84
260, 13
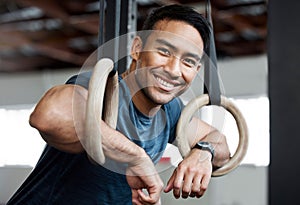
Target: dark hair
180, 13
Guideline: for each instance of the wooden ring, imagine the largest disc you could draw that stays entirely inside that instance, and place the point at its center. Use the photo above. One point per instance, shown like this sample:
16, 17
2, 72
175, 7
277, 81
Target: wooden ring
186, 116
103, 95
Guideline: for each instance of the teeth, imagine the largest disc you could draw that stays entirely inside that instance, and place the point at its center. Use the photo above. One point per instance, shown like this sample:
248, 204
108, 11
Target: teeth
161, 81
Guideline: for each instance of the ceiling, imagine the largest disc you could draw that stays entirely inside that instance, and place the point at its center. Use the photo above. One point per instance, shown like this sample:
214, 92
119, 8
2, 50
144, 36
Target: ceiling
56, 34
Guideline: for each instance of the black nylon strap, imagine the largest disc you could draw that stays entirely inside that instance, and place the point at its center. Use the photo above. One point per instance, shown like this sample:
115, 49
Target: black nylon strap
211, 79
109, 12
101, 27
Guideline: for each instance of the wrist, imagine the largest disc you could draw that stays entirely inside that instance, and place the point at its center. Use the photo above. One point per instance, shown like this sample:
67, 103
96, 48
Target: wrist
205, 147
139, 158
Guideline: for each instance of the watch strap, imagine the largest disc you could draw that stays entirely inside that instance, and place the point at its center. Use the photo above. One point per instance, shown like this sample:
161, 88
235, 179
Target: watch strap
205, 146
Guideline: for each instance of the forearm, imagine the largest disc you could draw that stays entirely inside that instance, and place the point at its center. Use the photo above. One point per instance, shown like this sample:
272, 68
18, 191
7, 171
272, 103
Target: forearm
118, 147
221, 150
198, 130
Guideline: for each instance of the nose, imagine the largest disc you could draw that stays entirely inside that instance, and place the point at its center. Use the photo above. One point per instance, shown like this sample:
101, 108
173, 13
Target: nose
173, 67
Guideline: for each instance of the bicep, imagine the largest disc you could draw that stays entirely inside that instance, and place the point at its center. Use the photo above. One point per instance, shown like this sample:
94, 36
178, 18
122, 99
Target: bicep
57, 113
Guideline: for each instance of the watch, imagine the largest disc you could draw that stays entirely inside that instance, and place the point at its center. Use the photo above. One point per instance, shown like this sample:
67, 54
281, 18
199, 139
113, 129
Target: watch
206, 146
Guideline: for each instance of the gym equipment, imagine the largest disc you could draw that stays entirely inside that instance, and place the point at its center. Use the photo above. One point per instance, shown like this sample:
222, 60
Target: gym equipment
102, 86
108, 84
213, 97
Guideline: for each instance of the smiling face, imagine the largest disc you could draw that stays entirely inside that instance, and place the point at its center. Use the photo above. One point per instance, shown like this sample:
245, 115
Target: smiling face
168, 61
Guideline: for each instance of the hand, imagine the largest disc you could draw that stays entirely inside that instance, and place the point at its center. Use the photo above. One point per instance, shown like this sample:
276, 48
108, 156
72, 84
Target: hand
143, 175
192, 176
136, 200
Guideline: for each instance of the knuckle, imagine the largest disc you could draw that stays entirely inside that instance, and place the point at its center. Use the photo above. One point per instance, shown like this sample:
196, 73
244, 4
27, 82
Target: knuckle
192, 169
180, 168
203, 188
176, 186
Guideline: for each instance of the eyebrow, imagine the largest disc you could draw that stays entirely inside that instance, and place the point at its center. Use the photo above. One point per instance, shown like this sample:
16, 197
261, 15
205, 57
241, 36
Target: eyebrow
166, 43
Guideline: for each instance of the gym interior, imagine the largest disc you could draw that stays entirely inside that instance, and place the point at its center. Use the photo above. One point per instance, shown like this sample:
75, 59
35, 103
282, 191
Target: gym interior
45, 42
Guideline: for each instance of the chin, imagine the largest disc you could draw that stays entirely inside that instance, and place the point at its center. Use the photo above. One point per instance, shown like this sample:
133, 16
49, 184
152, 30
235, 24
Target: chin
162, 99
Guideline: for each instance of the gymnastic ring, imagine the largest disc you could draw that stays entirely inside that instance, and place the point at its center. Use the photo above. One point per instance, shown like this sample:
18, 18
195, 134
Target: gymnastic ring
103, 96
186, 116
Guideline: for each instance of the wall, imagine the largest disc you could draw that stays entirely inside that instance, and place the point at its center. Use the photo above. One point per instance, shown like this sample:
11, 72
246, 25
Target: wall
246, 185
28, 87
240, 77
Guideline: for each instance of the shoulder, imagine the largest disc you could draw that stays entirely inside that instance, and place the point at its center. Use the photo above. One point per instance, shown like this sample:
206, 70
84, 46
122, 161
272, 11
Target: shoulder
81, 79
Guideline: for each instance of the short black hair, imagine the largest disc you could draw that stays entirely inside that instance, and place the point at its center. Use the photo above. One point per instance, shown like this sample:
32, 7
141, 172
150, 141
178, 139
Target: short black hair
180, 13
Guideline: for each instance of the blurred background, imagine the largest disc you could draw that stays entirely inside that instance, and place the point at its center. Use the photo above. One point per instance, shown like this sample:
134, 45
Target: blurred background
44, 34
43, 43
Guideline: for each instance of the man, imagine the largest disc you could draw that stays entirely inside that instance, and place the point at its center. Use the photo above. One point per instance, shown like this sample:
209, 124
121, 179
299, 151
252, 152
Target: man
164, 63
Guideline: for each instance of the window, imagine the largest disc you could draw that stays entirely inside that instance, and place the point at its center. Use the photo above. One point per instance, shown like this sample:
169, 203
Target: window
21, 144
256, 114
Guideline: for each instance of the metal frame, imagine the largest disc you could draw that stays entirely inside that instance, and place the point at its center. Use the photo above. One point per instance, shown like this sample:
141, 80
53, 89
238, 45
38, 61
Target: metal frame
121, 16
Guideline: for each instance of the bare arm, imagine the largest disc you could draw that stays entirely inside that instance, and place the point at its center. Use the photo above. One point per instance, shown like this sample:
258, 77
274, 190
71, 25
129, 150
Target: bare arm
200, 131
59, 117
54, 118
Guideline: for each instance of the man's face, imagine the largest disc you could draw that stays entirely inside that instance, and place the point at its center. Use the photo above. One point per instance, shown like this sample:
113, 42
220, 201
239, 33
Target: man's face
169, 61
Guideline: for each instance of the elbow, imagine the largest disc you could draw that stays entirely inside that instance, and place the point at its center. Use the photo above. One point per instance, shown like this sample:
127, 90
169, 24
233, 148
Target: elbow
40, 119
37, 120
223, 153
43, 116
53, 117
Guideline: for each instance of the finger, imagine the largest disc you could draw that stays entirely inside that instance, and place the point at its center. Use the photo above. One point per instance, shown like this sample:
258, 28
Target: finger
178, 181
192, 194
187, 184
135, 200
153, 198
204, 184
198, 195
170, 183
196, 184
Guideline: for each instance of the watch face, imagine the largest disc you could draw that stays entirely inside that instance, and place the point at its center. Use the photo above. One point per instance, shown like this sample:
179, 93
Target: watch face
206, 146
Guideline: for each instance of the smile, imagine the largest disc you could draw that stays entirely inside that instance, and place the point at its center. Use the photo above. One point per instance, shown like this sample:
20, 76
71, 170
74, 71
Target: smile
164, 83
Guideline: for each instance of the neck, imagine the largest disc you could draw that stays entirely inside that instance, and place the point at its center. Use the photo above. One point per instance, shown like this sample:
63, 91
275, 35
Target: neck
140, 100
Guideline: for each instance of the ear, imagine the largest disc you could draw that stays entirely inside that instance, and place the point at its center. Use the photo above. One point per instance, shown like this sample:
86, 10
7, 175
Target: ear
136, 47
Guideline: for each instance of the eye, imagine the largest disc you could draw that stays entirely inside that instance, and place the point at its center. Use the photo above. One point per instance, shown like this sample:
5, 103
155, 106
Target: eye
190, 62
163, 51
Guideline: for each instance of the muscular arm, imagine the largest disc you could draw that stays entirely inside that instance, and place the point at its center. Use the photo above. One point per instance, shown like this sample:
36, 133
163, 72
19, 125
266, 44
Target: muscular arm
53, 117
59, 117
